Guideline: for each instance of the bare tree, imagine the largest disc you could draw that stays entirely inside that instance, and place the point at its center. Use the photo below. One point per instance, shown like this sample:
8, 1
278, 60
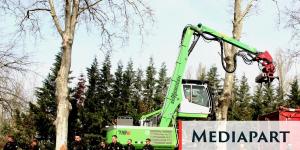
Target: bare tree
11, 66
293, 23
283, 65
188, 73
201, 72
10, 61
237, 24
111, 19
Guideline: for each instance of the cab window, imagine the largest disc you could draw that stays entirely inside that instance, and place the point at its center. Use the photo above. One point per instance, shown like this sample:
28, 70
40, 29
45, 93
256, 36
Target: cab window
187, 92
196, 94
200, 95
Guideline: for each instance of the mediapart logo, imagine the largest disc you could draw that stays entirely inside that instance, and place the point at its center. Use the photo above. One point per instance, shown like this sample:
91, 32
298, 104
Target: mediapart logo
236, 135
253, 136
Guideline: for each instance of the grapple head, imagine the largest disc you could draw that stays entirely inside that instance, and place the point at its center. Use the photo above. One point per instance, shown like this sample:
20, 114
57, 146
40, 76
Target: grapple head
263, 78
268, 70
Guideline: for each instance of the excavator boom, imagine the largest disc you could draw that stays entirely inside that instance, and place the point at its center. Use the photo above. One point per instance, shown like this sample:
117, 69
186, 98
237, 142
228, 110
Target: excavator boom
174, 93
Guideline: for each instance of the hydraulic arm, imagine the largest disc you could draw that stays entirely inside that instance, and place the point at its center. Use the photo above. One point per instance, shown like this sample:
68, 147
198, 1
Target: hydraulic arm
190, 36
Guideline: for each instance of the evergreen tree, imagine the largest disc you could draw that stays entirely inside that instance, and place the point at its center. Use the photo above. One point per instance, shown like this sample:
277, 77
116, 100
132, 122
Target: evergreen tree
117, 87
90, 117
241, 109
104, 89
233, 104
294, 94
257, 102
93, 75
213, 77
202, 76
23, 128
264, 101
149, 86
279, 98
128, 90
138, 90
244, 97
161, 86
44, 111
269, 99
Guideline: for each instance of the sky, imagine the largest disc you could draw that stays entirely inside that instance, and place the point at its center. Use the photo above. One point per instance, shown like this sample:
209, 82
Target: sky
260, 30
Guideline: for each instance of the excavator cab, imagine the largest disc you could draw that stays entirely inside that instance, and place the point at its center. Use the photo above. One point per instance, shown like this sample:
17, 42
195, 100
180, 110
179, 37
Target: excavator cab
197, 101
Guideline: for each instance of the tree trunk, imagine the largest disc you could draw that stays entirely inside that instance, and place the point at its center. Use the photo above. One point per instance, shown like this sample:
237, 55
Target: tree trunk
62, 90
226, 97
62, 93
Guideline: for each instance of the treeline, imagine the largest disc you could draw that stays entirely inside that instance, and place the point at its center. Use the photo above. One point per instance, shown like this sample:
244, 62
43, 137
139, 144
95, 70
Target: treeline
265, 99
97, 100
103, 95
247, 104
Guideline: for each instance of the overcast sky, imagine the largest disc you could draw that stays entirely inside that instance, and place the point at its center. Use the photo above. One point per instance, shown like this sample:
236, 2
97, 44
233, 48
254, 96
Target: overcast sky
260, 30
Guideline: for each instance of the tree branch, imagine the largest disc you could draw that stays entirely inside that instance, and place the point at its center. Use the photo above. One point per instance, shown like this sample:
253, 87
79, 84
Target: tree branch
246, 11
89, 6
55, 19
74, 15
278, 10
67, 16
9, 61
37, 9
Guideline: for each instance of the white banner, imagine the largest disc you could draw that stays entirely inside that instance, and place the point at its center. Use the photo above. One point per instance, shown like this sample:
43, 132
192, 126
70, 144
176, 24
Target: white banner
240, 135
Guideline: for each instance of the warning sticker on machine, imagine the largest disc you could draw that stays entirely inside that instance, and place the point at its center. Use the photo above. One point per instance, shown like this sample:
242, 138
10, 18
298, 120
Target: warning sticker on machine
240, 135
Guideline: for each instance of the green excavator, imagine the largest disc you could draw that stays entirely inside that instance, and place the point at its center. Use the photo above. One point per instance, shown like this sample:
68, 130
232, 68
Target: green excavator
187, 99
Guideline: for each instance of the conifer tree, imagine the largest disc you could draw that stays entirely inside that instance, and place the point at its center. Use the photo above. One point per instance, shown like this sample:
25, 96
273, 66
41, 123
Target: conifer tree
104, 89
149, 86
243, 95
90, 117
117, 89
138, 90
258, 104
213, 77
128, 90
279, 97
93, 75
233, 103
269, 99
294, 94
23, 128
161, 86
241, 109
